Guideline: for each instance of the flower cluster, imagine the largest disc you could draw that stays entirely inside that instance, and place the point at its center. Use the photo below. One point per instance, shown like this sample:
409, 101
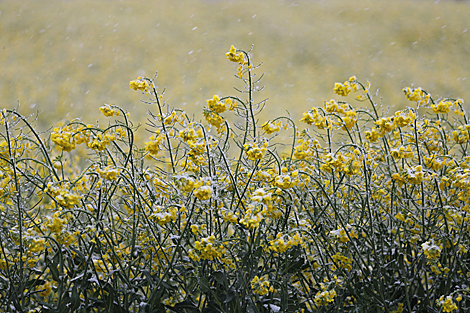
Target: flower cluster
140, 84
261, 285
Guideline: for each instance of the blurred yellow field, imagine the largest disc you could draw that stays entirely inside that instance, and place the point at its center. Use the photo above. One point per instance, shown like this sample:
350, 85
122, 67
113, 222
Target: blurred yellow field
67, 58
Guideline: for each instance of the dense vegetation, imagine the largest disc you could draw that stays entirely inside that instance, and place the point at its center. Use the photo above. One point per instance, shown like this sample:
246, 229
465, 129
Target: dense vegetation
364, 210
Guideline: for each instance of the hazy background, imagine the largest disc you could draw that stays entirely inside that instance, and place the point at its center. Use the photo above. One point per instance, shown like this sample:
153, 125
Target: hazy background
65, 59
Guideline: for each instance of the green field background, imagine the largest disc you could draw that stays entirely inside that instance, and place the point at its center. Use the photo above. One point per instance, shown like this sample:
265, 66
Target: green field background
65, 59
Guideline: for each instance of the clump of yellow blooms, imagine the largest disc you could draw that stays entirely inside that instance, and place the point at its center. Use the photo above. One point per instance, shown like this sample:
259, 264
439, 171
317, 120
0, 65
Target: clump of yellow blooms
203, 192
108, 110
341, 261
153, 145
462, 134
139, 84
431, 250
100, 142
63, 195
253, 152
233, 56
208, 249
216, 105
417, 95
345, 88
214, 118
325, 297
63, 138
271, 128
446, 304
282, 243
261, 285
109, 173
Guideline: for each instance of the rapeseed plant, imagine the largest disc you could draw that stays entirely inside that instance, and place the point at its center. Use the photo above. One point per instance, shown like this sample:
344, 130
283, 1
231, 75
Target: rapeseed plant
360, 211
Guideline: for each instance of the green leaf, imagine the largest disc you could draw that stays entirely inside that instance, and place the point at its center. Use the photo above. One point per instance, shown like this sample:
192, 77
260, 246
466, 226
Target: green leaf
204, 284
221, 278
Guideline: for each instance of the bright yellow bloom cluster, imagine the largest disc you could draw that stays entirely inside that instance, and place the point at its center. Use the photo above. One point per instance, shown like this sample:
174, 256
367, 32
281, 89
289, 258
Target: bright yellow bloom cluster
56, 224
285, 181
63, 137
62, 195
108, 110
216, 105
271, 128
161, 216
171, 118
345, 88
109, 173
434, 163
431, 250
261, 196
139, 84
305, 149
213, 118
261, 285
36, 245
446, 304
207, 249
412, 175
341, 261
342, 89
462, 134
314, 118
401, 119
190, 134
239, 58
442, 107
253, 216
254, 152
203, 192
153, 145
401, 153
282, 243
325, 297
100, 142
233, 56
417, 95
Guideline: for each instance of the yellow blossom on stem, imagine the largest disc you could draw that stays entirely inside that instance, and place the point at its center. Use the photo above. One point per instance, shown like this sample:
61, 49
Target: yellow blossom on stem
233, 56
108, 111
216, 105
203, 192
261, 285
139, 84
254, 152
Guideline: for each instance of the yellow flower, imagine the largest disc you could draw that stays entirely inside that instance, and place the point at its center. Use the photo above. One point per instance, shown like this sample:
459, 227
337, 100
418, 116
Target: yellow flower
431, 250
342, 89
233, 56
254, 152
446, 304
215, 105
270, 128
139, 84
153, 146
213, 118
63, 137
108, 111
203, 192
442, 107
261, 285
